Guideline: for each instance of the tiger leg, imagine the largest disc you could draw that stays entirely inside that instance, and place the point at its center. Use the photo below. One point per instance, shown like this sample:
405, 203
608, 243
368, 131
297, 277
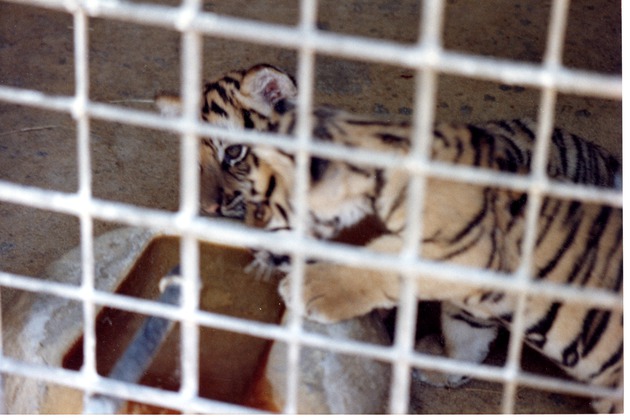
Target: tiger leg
465, 338
606, 406
333, 292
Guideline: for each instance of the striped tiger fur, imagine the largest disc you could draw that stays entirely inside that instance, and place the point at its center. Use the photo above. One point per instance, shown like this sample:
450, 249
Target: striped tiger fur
577, 243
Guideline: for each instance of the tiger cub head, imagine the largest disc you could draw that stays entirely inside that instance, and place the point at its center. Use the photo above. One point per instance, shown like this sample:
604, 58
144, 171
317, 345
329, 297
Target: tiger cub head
259, 98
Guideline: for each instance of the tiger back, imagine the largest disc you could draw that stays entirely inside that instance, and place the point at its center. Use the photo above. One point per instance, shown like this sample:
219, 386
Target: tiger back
577, 243
477, 226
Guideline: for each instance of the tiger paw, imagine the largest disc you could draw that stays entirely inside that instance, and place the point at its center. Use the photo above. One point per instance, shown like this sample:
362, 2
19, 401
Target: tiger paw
432, 344
319, 304
334, 293
265, 264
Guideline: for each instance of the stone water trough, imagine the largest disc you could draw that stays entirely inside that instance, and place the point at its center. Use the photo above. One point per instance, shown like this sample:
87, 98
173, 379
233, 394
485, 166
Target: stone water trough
235, 368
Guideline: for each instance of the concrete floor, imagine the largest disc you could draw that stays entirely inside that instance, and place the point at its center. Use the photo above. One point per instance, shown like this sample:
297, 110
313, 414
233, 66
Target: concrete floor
134, 165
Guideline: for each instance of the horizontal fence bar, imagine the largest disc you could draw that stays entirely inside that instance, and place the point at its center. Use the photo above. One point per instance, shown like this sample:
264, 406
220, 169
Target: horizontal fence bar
123, 390
147, 395
230, 233
203, 318
427, 55
234, 234
505, 71
471, 175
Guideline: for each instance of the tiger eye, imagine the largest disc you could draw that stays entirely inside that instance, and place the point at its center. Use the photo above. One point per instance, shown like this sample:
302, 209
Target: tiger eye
233, 151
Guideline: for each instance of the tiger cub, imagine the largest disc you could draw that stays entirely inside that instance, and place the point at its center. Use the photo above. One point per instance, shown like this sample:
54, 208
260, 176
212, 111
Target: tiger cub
577, 243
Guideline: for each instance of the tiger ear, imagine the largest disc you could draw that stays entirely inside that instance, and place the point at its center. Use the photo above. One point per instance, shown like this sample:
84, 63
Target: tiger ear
265, 86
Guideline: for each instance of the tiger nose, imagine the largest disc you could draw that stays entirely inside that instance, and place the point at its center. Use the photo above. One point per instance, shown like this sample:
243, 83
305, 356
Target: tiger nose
212, 205
212, 209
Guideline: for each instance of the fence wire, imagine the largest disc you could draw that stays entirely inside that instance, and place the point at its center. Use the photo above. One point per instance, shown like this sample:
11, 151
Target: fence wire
429, 59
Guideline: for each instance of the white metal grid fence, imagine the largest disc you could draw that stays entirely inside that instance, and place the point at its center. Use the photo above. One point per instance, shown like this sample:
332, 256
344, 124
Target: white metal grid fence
428, 59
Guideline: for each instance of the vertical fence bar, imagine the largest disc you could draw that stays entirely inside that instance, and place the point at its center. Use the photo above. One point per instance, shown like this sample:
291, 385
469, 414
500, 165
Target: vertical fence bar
429, 43
546, 112
428, 48
189, 200
82, 86
305, 81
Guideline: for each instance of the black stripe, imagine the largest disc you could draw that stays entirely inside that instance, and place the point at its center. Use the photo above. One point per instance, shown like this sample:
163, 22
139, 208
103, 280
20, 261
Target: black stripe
537, 333
282, 212
485, 296
321, 132
478, 139
517, 206
214, 107
525, 129
568, 241
508, 162
400, 200
247, 119
574, 212
548, 216
475, 221
506, 318
338, 128
380, 182
465, 247
272, 127
209, 87
325, 113
582, 271
278, 229
558, 140
613, 167
217, 87
511, 146
612, 361
439, 135
232, 81
513, 155
580, 175
271, 186
359, 170
570, 356
287, 155
493, 296
493, 254
370, 122
472, 322
318, 168
619, 279
446, 139
278, 260
391, 138
498, 296
594, 325
507, 127
611, 263
592, 247
593, 168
